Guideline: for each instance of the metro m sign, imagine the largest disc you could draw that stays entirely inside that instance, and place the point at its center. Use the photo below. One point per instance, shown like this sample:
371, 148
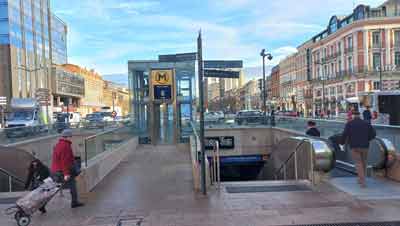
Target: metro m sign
162, 82
162, 77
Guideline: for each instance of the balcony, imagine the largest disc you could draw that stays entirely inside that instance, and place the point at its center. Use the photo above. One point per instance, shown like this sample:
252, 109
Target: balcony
348, 50
376, 46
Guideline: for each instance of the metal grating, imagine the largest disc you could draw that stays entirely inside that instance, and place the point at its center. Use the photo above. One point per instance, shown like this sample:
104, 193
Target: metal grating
8, 200
134, 221
274, 188
397, 223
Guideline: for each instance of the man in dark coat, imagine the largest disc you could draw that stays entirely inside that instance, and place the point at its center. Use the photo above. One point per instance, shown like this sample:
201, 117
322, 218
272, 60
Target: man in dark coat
312, 129
367, 115
37, 173
63, 165
358, 133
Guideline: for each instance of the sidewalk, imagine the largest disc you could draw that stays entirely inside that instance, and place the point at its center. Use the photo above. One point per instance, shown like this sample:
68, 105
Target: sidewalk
153, 187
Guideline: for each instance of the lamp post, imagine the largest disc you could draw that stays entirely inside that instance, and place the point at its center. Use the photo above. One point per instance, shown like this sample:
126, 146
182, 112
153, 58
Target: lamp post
323, 86
380, 63
263, 54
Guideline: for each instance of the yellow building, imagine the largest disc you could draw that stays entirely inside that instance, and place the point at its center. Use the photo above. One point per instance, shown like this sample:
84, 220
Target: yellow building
116, 97
93, 99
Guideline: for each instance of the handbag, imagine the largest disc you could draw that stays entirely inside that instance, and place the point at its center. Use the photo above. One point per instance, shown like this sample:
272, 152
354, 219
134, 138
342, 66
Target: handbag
76, 168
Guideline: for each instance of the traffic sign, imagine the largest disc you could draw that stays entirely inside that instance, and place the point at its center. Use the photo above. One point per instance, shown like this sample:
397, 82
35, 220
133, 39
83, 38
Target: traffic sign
3, 101
221, 74
114, 114
162, 81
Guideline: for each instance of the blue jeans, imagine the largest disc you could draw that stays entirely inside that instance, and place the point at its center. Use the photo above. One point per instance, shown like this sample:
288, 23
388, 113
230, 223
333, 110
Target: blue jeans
71, 185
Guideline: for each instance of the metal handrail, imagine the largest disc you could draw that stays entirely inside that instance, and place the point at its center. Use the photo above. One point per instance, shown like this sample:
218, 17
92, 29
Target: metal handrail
293, 154
10, 178
216, 165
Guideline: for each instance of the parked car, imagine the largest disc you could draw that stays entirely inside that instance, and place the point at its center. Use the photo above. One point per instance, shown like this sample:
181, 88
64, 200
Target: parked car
214, 116
287, 113
249, 116
94, 121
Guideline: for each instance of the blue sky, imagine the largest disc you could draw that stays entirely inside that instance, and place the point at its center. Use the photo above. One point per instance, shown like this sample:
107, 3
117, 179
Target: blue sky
105, 34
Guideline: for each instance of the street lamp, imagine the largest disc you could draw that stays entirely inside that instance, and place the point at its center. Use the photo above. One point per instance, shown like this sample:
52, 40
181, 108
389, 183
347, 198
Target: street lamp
380, 63
263, 54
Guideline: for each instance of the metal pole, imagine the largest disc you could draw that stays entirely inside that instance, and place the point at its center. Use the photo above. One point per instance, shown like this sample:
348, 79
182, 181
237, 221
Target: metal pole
380, 64
323, 95
10, 183
296, 176
2, 117
218, 167
201, 104
264, 90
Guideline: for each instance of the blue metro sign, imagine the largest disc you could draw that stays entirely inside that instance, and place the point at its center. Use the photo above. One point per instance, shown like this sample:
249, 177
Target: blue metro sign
162, 92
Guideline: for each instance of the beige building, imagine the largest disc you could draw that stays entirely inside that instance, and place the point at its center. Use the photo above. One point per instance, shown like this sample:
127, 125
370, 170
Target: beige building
287, 78
116, 98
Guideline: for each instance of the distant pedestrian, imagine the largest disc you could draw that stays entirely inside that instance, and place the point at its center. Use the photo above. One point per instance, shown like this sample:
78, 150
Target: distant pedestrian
328, 113
367, 115
37, 173
312, 129
63, 165
358, 133
350, 114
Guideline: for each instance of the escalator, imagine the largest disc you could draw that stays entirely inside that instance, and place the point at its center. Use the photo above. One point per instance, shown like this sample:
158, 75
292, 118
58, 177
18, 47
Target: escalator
14, 165
381, 156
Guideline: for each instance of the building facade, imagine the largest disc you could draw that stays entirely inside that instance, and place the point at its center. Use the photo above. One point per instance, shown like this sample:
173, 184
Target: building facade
274, 85
345, 59
68, 89
93, 99
287, 78
26, 46
116, 98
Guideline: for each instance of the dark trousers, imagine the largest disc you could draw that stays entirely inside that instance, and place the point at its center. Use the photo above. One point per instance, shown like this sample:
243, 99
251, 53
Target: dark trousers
71, 185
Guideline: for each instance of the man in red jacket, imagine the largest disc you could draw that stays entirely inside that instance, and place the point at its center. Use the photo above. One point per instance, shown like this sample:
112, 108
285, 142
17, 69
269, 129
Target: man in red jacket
63, 163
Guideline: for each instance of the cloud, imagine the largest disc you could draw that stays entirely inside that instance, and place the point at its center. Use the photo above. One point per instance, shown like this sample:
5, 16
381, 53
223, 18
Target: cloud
105, 34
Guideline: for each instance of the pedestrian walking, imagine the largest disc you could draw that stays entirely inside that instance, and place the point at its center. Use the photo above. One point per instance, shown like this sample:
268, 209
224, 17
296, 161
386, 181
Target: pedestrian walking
37, 173
312, 129
357, 134
350, 114
367, 115
64, 167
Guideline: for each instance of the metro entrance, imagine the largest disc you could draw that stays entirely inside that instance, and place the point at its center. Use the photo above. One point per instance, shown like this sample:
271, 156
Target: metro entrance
163, 99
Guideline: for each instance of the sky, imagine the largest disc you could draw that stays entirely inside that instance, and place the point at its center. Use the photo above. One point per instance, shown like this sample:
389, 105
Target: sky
105, 34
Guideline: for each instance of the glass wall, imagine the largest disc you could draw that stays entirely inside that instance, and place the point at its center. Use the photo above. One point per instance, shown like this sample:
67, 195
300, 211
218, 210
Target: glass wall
185, 74
4, 37
59, 40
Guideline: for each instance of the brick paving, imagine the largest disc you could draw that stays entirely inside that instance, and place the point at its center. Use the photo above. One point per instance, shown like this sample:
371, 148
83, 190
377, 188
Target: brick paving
153, 187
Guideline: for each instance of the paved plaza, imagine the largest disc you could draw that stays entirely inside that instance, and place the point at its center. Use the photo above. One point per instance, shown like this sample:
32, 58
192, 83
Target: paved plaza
153, 187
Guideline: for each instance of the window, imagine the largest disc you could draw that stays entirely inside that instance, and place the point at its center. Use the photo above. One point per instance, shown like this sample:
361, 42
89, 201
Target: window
397, 38
376, 85
350, 63
339, 47
340, 89
332, 91
376, 39
332, 51
324, 52
332, 69
397, 59
340, 65
376, 61
350, 42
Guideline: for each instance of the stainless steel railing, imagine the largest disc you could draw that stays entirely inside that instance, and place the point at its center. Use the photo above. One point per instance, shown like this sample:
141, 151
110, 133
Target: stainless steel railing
11, 179
216, 166
300, 157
